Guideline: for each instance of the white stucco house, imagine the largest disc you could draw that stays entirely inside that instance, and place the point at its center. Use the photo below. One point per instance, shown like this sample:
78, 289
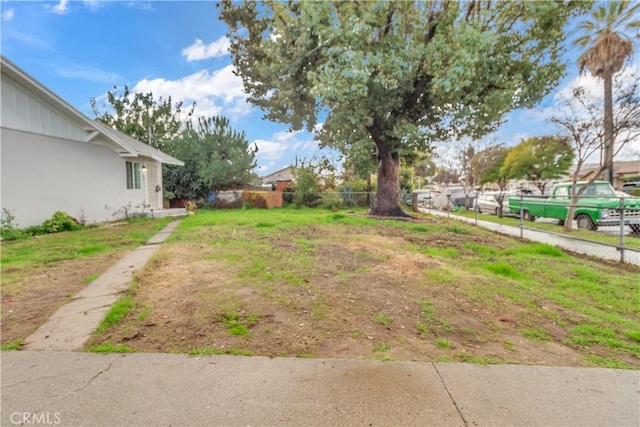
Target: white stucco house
54, 158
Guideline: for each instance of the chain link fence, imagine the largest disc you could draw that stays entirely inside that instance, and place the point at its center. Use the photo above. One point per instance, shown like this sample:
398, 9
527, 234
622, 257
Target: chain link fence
607, 228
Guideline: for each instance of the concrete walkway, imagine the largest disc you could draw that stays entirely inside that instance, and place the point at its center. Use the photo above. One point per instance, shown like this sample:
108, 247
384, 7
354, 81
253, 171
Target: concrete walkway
574, 245
167, 389
71, 326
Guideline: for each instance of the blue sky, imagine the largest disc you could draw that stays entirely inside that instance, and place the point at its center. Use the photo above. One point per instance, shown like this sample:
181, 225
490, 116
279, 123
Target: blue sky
81, 49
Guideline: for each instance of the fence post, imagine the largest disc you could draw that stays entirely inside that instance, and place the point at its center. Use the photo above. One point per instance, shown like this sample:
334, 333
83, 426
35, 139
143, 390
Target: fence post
622, 229
521, 223
475, 207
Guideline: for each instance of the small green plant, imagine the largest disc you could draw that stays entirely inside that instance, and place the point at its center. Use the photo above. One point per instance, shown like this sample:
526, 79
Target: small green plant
444, 343
91, 278
116, 313
60, 221
536, 334
424, 329
458, 230
385, 358
502, 269
383, 320
381, 347
209, 351
633, 335
144, 313
9, 227
607, 362
331, 201
107, 347
11, 346
237, 325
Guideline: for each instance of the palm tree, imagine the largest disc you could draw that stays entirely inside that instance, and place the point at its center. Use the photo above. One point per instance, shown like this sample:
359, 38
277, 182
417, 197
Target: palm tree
607, 48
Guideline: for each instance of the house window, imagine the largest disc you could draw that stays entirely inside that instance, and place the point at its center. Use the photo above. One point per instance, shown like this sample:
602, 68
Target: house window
133, 175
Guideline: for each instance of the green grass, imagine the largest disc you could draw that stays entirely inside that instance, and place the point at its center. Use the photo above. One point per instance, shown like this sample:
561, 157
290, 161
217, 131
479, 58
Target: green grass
535, 334
605, 362
210, 351
630, 242
590, 306
144, 313
239, 325
11, 346
116, 313
444, 343
502, 269
91, 278
108, 347
383, 320
381, 347
23, 256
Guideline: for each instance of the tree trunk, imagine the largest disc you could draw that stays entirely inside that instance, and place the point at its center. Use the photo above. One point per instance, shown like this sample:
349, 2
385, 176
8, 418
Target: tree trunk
387, 202
608, 127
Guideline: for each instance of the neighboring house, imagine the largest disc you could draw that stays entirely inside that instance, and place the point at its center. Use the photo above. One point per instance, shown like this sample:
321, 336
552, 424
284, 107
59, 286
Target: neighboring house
621, 170
281, 178
54, 158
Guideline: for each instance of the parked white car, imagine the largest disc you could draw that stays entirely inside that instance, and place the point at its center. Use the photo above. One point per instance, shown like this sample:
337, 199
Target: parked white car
488, 203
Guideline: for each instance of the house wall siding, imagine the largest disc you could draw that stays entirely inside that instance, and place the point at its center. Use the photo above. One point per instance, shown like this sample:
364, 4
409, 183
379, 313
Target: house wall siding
22, 110
43, 174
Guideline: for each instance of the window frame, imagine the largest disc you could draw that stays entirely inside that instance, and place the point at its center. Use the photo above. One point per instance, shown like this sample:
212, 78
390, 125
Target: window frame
132, 173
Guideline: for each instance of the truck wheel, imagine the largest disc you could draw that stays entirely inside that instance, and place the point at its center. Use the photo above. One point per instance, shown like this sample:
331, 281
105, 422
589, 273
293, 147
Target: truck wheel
584, 222
635, 229
497, 211
527, 216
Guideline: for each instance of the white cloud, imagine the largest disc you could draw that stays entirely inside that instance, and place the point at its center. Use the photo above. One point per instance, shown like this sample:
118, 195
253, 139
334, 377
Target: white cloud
59, 9
220, 83
94, 5
87, 73
198, 50
8, 14
284, 142
217, 92
140, 5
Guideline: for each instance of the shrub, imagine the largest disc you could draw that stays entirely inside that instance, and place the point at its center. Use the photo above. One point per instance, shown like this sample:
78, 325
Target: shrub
331, 201
9, 228
307, 188
60, 221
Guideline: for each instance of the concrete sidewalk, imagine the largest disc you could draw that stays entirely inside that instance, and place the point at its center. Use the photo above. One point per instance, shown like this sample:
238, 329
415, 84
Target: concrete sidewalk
73, 389
72, 325
594, 249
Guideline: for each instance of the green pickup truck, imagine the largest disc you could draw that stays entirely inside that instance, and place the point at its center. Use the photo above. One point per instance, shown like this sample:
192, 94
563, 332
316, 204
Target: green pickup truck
599, 205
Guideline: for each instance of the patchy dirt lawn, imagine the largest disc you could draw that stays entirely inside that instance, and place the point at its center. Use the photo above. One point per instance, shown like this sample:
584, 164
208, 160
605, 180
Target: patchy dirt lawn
47, 289
370, 289
39, 275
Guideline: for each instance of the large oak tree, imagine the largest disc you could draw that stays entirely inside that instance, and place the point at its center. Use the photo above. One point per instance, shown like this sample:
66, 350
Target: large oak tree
395, 75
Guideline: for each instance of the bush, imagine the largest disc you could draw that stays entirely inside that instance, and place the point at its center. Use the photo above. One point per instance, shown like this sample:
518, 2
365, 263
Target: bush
9, 228
307, 188
331, 201
635, 192
60, 221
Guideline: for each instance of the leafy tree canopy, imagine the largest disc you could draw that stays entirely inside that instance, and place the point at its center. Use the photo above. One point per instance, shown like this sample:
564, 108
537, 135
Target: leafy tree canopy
395, 75
215, 156
156, 122
487, 165
539, 159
